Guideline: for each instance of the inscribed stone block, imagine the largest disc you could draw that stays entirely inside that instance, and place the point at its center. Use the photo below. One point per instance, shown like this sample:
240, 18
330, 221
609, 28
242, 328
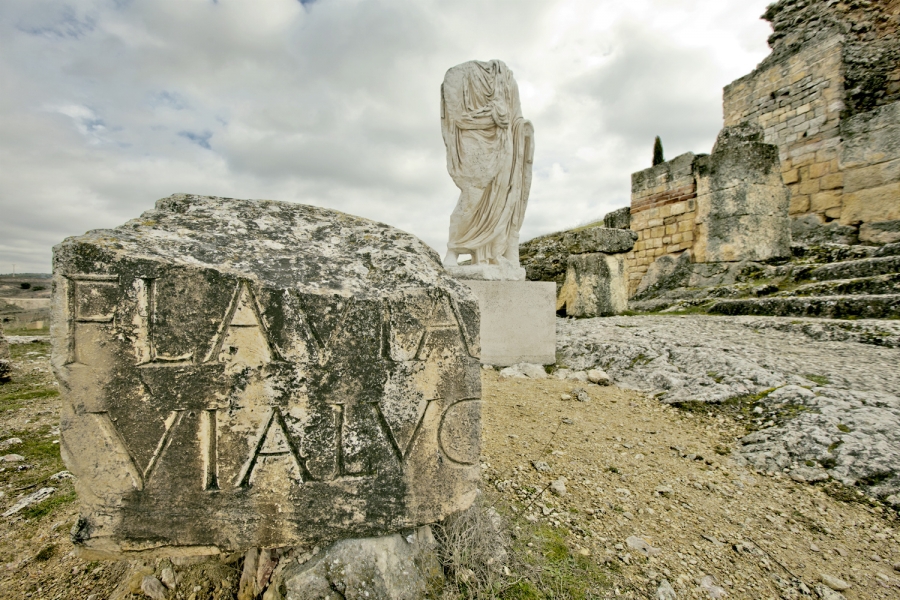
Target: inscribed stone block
239, 374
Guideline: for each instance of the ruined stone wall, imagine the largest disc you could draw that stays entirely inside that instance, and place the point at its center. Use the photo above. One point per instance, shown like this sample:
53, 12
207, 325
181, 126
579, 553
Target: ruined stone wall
663, 210
727, 206
830, 61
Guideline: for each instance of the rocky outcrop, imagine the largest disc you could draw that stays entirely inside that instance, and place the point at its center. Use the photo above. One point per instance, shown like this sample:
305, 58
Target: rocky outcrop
239, 374
822, 396
594, 287
586, 264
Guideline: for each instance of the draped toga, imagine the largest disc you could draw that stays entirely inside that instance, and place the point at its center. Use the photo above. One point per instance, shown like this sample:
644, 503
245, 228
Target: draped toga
489, 154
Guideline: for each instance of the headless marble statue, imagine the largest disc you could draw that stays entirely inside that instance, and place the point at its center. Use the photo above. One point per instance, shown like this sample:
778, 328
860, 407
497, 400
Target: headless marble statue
490, 150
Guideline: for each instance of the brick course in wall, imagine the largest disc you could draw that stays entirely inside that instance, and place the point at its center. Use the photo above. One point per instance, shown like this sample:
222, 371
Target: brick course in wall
663, 208
830, 61
798, 103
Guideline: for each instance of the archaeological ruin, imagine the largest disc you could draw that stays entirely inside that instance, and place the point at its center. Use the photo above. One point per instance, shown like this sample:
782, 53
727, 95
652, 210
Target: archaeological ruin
828, 99
490, 155
238, 374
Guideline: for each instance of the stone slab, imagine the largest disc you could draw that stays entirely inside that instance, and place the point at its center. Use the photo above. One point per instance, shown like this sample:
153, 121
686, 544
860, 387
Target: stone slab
239, 374
518, 321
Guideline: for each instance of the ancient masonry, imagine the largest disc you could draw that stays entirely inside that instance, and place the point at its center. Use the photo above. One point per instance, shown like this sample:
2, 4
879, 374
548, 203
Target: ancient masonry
727, 206
587, 265
239, 374
828, 97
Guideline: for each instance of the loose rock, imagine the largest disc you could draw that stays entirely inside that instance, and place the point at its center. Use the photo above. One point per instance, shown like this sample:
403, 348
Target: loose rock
152, 588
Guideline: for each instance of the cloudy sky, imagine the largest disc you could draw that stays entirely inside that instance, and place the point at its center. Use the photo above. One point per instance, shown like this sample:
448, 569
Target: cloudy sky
108, 105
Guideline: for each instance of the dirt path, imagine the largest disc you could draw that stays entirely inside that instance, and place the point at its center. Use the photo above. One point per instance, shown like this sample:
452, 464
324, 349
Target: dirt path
636, 467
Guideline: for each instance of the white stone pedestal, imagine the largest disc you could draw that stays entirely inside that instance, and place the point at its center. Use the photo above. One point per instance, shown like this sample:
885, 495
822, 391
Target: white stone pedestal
518, 321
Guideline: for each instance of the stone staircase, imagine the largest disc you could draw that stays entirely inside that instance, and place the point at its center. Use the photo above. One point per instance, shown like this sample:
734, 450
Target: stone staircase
830, 280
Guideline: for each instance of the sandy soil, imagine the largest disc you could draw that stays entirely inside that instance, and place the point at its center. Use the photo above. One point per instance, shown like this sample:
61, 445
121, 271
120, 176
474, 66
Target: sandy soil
636, 467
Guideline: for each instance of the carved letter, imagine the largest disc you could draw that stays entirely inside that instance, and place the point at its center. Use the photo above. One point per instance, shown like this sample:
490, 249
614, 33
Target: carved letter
275, 432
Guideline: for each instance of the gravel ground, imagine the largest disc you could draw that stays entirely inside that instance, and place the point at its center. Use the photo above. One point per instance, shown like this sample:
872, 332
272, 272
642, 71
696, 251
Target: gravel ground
636, 470
820, 398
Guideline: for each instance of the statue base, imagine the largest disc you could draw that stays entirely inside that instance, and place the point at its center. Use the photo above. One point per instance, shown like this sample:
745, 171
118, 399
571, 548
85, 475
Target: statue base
518, 321
505, 271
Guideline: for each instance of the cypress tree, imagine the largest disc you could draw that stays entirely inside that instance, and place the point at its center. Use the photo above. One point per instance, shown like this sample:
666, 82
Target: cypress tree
658, 152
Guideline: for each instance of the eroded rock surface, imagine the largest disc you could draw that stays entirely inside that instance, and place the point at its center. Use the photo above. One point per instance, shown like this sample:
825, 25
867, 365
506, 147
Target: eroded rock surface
823, 394
241, 374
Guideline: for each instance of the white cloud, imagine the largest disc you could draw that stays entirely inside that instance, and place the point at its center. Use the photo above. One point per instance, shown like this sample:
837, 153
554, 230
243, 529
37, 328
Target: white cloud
111, 104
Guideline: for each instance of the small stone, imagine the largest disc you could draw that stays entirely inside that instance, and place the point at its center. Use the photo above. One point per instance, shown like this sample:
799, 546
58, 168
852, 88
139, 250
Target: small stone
558, 487
628, 515
599, 377
568, 421
8, 443
665, 490
577, 376
665, 591
641, 545
897, 566
826, 593
33, 498
838, 585
10, 458
60, 476
531, 371
152, 588
540, 466
715, 592
565, 397
581, 395
814, 548
168, 578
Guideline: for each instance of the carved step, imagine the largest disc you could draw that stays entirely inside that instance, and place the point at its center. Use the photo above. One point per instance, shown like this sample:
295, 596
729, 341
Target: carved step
866, 267
872, 306
879, 284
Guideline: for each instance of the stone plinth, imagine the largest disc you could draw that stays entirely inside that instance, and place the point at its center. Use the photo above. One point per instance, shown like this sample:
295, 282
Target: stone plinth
518, 321
240, 374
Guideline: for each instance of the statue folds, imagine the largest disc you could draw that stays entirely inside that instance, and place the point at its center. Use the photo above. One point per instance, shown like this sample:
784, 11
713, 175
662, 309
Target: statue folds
490, 150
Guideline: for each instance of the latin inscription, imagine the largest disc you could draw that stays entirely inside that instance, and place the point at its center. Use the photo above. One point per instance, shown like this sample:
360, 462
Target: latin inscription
243, 347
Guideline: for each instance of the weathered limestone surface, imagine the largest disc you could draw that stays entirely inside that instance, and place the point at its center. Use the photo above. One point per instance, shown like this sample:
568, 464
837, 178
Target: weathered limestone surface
595, 286
383, 567
828, 392
742, 204
546, 258
240, 374
618, 219
870, 159
518, 322
5, 366
882, 232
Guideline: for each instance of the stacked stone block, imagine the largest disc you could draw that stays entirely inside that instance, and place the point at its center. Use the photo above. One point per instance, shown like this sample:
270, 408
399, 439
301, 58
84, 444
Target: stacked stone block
798, 104
663, 213
724, 207
834, 71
